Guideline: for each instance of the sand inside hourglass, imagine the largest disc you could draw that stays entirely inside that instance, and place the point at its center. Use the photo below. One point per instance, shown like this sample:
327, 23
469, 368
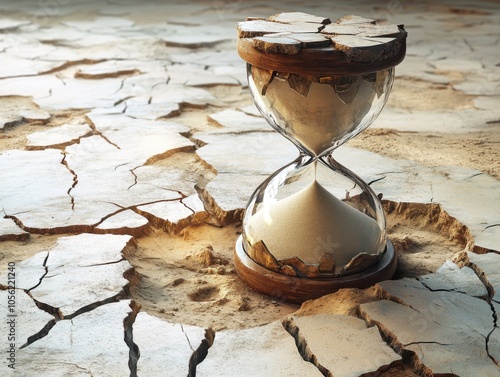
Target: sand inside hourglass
312, 222
319, 114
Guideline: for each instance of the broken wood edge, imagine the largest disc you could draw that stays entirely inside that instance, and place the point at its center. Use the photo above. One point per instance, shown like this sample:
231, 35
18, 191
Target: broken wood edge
296, 289
315, 61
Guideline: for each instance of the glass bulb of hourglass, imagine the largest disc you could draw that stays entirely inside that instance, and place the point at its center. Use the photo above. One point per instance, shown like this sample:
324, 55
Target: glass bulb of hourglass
319, 114
314, 215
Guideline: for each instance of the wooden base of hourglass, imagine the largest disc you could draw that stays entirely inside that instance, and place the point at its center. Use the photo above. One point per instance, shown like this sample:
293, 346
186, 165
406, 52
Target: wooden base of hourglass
297, 290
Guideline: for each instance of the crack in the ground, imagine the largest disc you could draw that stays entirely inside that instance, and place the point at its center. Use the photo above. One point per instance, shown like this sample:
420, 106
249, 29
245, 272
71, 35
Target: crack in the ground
104, 263
93, 228
122, 100
122, 209
489, 299
473, 176
428, 342
122, 84
217, 216
302, 347
201, 352
75, 179
491, 226
135, 177
439, 289
13, 236
134, 352
57, 313
88, 308
172, 227
41, 334
96, 132
376, 180
68, 64
185, 205
58, 316
73, 364
108, 75
409, 357
100, 134
187, 337
197, 142
62, 146
43, 276
53, 311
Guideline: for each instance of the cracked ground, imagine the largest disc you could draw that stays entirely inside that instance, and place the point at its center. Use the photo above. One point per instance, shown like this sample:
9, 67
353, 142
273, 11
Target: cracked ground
129, 146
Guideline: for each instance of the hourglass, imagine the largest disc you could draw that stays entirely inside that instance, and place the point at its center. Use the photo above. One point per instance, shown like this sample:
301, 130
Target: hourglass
314, 226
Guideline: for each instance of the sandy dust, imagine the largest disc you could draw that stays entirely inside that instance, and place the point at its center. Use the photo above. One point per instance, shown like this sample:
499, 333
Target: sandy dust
473, 150
411, 94
190, 278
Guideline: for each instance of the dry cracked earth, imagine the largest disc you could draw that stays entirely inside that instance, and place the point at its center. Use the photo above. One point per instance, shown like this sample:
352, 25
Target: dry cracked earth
129, 145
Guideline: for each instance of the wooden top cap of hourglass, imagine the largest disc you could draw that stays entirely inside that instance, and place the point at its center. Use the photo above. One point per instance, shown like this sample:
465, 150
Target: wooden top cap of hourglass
310, 45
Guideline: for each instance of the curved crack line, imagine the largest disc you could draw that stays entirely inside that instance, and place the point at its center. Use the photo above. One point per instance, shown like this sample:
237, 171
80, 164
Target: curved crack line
100, 134
40, 334
187, 337
409, 357
53, 311
489, 299
75, 365
103, 264
62, 145
135, 177
185, 205
122, 84
376, 180
472, 176
427, 342
128, 331
302, 347
134, 206
96, 132
201, 352
490, 226
182, 195
60, 317
75, 179
122, 209
92, 228
43, 276
439, 289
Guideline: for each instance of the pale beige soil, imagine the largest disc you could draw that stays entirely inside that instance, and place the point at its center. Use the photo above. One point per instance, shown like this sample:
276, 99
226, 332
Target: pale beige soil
473, 150
411, 94
176, 283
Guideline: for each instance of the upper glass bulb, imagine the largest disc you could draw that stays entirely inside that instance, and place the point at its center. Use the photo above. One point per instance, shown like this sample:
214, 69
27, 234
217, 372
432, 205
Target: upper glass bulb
318, 114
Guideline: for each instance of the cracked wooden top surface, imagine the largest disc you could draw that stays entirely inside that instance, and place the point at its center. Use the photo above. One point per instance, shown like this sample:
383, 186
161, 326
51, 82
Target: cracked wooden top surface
301, 43
129, 146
